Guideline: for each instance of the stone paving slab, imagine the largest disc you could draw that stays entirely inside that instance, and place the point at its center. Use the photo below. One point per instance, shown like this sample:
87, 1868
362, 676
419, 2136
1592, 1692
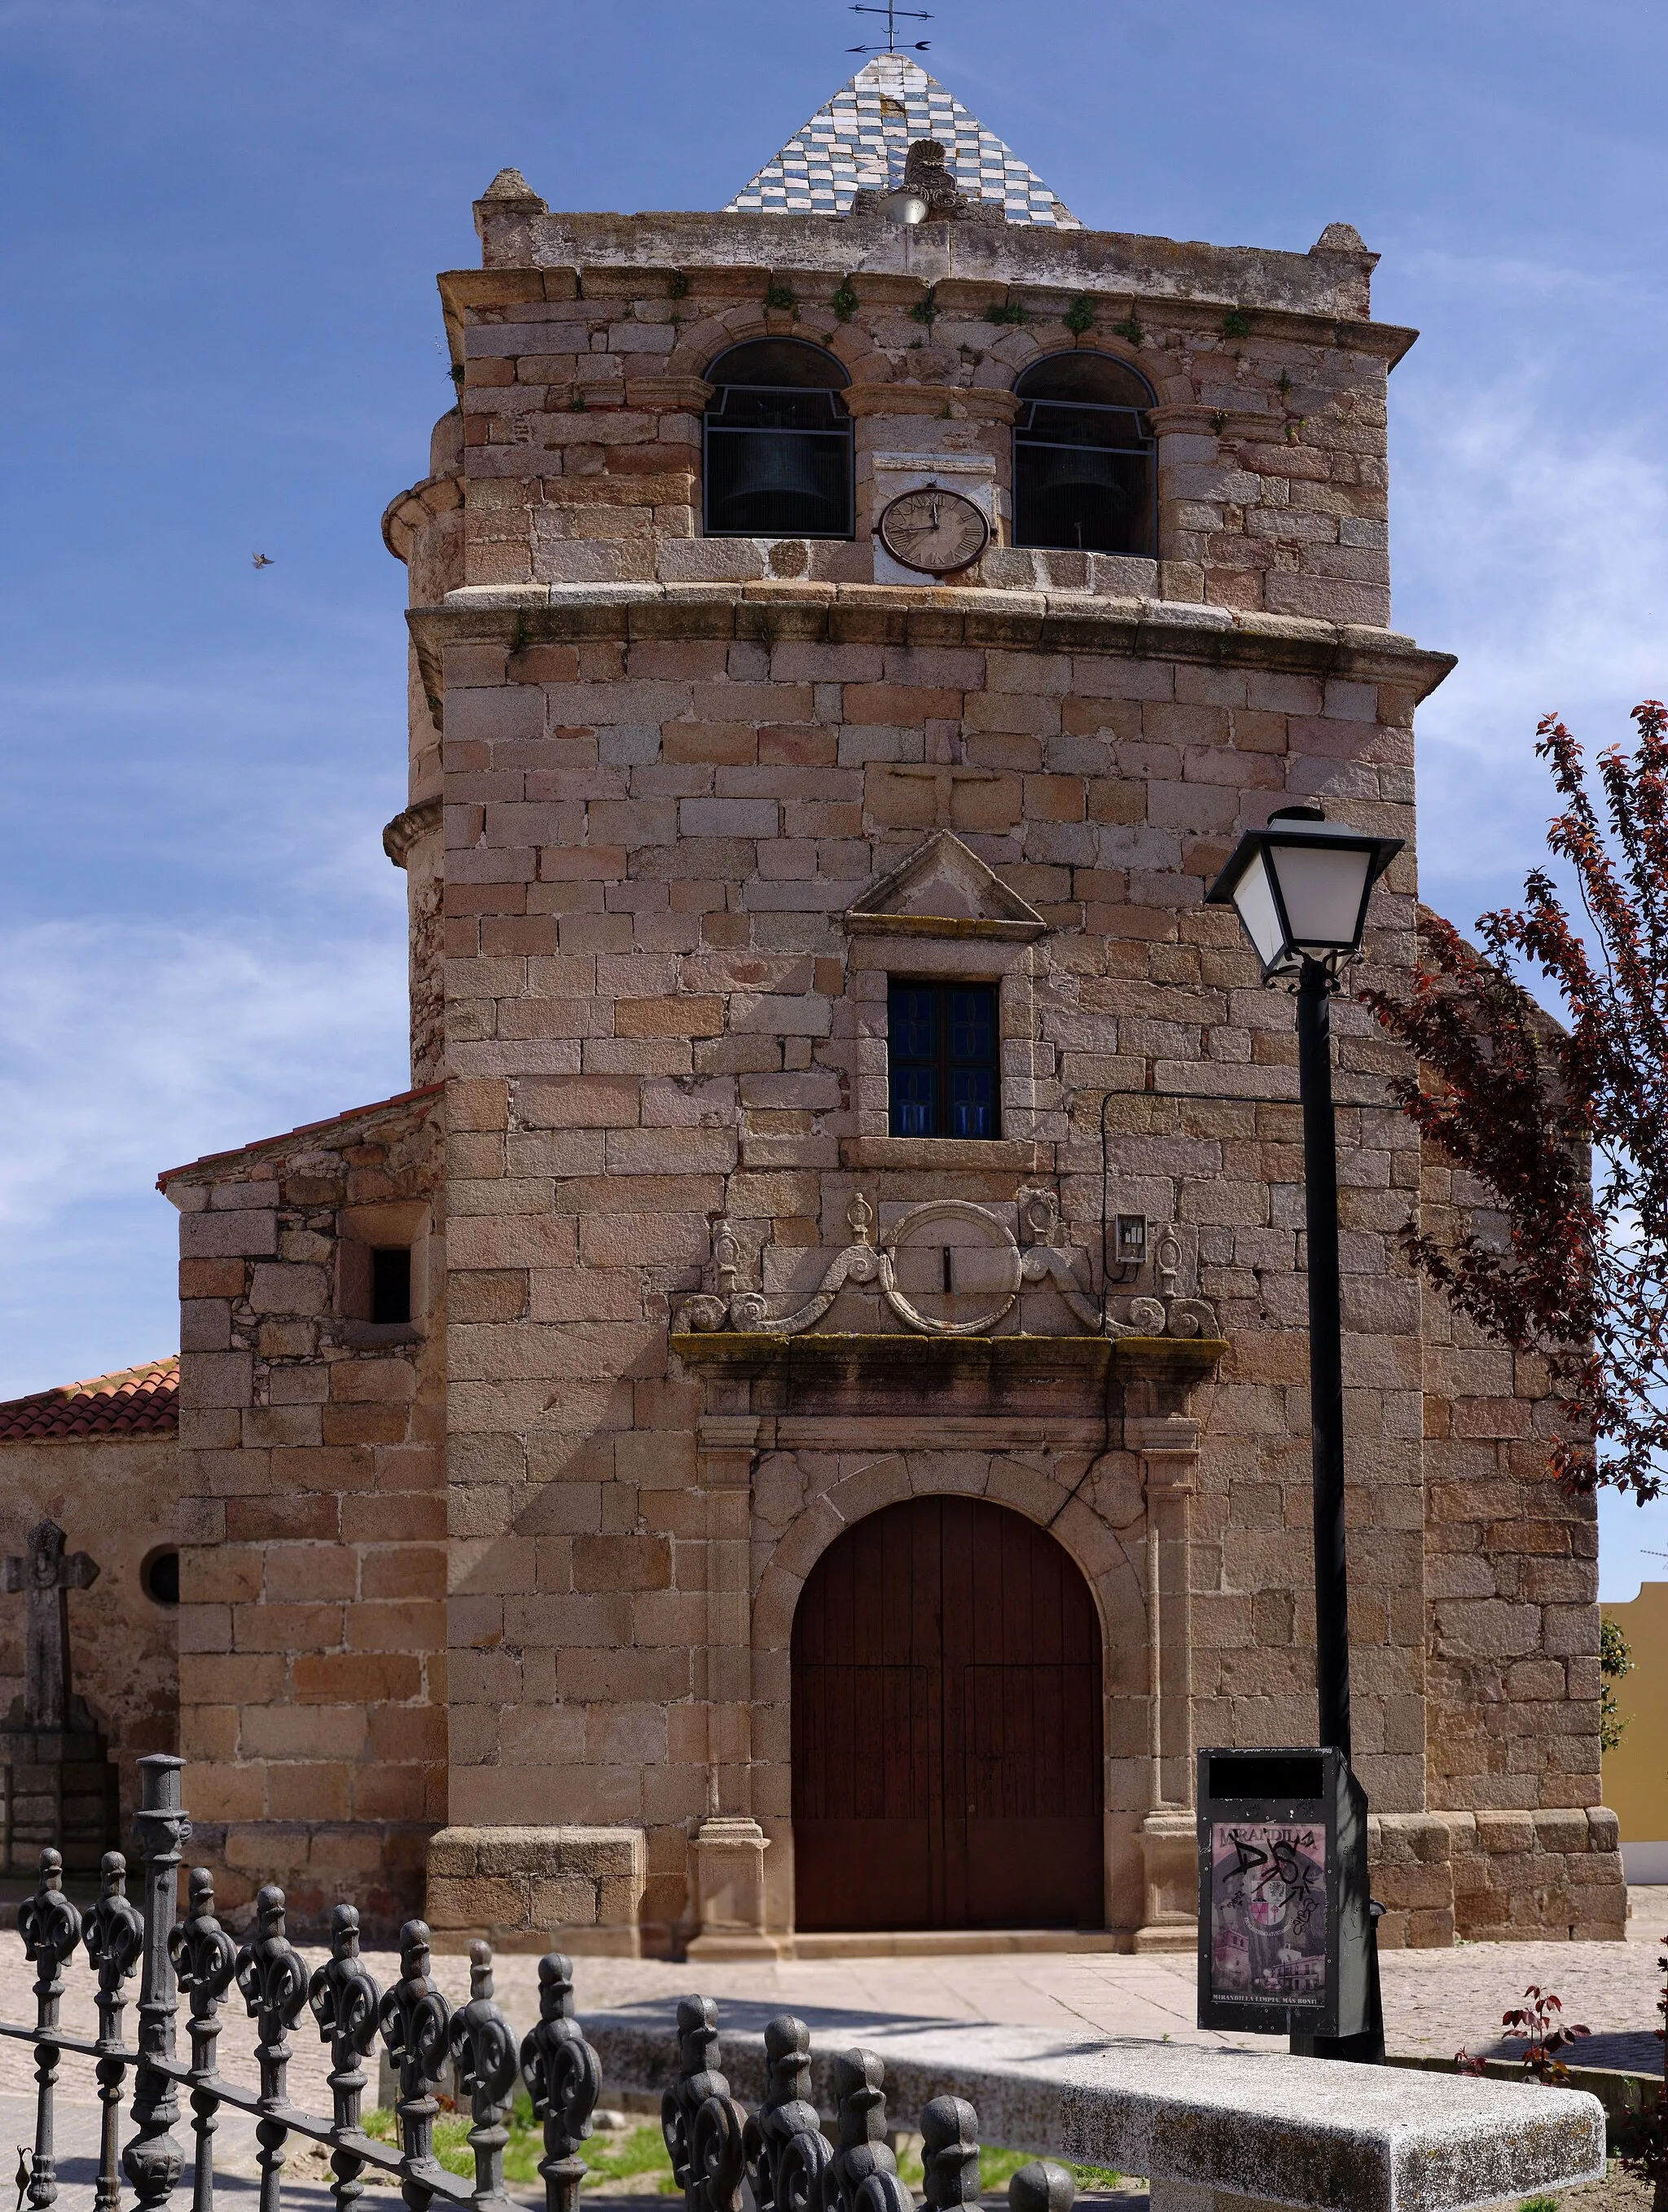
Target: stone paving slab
1435, 2002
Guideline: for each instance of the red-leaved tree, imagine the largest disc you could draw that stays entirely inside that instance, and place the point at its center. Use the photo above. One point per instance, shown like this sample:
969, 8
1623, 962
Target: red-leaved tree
1565, 1128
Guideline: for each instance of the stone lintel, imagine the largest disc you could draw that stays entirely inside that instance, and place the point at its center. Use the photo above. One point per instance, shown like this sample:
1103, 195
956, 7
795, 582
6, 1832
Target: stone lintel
746, 1354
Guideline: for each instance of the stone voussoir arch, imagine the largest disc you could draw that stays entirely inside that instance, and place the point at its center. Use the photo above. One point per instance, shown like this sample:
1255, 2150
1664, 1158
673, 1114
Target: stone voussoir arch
1105, 1559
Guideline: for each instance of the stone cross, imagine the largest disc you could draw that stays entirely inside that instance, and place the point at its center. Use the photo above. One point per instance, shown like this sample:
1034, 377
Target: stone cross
48, 1577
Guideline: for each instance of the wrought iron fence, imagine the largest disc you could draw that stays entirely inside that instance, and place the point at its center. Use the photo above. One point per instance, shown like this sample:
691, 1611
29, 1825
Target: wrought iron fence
780, 2158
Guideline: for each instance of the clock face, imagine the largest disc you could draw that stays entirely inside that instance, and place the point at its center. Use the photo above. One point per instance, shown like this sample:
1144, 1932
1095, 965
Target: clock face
934, 531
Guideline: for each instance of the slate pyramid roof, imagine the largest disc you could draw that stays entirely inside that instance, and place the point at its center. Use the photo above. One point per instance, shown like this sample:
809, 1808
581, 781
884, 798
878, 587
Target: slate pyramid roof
858, 139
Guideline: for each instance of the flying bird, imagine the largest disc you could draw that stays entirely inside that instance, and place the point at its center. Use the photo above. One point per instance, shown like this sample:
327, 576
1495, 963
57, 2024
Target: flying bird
261, 559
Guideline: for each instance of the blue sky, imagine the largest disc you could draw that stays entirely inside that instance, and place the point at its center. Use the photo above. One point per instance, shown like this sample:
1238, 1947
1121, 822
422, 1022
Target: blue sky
220, 333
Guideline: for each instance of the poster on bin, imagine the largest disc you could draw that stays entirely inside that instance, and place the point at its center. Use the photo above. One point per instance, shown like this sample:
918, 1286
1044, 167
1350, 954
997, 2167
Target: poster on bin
1267, 1912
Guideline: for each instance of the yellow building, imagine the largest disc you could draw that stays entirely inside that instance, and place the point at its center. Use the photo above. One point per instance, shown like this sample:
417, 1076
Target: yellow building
1636, 1771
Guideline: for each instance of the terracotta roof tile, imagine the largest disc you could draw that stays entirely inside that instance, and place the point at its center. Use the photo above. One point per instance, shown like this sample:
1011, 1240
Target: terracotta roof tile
136, 1401
307, 1128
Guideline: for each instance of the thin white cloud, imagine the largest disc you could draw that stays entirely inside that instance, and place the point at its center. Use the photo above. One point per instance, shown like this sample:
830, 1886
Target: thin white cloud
127, 1048
1532, 539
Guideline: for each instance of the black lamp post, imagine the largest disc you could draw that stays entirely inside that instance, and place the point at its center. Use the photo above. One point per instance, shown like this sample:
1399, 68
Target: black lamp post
1300, 888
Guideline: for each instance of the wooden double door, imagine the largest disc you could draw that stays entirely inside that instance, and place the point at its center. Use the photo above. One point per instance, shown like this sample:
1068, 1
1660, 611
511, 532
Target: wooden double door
946, 1727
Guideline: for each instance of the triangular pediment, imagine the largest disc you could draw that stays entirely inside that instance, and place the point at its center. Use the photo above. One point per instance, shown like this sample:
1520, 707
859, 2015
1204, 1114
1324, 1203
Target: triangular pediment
858, 141
943, 890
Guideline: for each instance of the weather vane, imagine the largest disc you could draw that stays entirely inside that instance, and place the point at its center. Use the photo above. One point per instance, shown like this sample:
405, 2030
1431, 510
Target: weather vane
891, 13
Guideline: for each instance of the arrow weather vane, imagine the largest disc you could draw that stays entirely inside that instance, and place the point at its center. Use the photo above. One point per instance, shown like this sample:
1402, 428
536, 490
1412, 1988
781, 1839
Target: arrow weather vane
892, 12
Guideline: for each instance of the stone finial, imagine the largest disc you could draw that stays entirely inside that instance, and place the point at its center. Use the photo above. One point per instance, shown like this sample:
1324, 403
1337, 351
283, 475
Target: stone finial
510, 185
1339, 238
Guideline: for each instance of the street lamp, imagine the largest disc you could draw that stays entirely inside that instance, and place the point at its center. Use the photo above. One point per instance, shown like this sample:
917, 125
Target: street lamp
1300, 888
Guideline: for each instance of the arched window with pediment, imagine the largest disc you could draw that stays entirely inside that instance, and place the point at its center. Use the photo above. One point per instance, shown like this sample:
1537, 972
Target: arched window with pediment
1085, 459
777, 443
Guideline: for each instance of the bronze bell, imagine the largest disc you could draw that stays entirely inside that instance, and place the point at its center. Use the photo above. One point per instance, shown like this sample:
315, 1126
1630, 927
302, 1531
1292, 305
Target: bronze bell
777, 473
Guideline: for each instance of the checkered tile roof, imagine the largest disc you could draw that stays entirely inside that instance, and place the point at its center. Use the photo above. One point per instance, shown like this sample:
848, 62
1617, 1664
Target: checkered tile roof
858, 138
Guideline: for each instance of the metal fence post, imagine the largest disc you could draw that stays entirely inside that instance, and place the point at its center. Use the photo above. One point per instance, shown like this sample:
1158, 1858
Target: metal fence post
413, 2017
272, 1980
344, 2001
152, 2159
50, 1929
114, 1936
564, 2080
205, 1958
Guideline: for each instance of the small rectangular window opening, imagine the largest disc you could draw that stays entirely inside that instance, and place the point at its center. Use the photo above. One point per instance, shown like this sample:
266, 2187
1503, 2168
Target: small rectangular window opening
943, 1051
391, 1285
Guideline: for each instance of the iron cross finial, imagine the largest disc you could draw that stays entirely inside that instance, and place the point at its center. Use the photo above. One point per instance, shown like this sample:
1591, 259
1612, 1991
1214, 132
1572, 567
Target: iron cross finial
892, 12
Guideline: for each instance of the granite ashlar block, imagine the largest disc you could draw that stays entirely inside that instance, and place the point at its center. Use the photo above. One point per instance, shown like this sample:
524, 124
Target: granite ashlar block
1206, 2124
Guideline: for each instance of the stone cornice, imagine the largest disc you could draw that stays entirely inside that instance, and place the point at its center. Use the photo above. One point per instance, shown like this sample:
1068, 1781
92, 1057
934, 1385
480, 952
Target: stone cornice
1325, 281
518, 615
416, 821
1301, 314
407, 511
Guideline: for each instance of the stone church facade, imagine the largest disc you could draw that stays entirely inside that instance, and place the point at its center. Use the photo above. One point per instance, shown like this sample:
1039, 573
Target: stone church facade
836, 1443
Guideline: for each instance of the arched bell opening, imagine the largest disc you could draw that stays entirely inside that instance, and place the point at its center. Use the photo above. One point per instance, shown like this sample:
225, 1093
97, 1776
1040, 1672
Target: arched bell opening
777, 442
1085, 459
947, 1685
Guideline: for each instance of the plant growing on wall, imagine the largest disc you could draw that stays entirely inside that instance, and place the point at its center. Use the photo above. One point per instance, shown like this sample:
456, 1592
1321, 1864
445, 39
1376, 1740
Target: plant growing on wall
1562, 1261
1614, 1660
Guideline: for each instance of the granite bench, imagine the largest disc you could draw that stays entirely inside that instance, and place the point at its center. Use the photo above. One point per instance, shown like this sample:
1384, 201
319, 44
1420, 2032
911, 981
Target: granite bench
1215, 2129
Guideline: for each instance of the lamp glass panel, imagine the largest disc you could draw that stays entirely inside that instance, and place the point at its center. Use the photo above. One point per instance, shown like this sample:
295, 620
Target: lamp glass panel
1253, 902
1325, 888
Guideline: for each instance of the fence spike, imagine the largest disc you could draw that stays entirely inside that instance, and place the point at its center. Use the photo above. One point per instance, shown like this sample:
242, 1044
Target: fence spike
704, 2128
412, 2020
204, 1960
344, 2001
272, 1979
950, 2152
50, 1928
1043, 2187
862, 2175
787, 2151
114, 1936
483, 2048
563, 2076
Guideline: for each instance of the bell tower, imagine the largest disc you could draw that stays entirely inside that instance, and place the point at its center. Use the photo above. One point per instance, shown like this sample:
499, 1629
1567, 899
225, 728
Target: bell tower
850, 630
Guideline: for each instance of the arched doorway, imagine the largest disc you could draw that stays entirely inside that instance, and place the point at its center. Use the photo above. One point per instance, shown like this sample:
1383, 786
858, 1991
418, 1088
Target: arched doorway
946, 1702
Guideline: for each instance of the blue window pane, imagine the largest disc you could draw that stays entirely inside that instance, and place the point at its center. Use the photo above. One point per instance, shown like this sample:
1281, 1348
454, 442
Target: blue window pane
973, 1024
912, 1102
972, 1102
912, 1023
944, 1050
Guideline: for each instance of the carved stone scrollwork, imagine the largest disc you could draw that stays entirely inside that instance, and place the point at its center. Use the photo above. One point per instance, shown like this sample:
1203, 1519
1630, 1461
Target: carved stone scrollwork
1009, 1264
